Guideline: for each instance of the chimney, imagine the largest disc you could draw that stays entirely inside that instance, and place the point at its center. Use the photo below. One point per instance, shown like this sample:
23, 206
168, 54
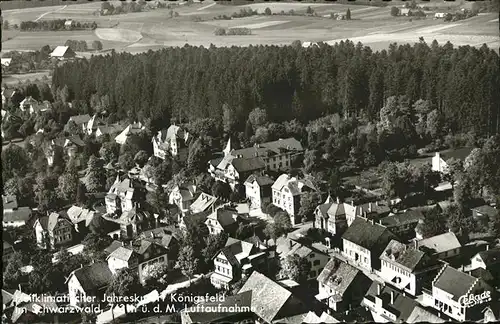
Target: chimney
19, 287
352, 203
338, 200
415, 244
379, 289
370, 209
392, 297
487, 247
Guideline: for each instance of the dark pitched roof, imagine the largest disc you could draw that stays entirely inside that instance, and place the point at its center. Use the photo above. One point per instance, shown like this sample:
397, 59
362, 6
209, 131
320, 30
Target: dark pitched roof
248, 164
408, 217
338, 276
459, 154
94, 276
490, 257
270, 301
215, 162
368, 235
402, 307
269, 148
113, 246
454, 282
399, 253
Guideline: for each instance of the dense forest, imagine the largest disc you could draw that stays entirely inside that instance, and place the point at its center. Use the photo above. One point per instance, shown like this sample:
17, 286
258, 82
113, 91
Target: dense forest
293, 82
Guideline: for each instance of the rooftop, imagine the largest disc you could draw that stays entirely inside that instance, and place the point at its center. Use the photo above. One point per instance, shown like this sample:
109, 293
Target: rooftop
440, 243
454, 282
420, 315
399, 253
269, 148
21, 214
296, 186
367, 235
338, 276
490, 257
402, 306
9, 202
407, 217
271, 301
202, 203
94, 276
262, 180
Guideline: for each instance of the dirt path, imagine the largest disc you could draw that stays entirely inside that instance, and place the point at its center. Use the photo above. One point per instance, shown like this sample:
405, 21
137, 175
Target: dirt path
49, 12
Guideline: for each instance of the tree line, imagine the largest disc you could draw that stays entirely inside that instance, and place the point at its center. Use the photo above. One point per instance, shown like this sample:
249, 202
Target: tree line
55, 25
293, 82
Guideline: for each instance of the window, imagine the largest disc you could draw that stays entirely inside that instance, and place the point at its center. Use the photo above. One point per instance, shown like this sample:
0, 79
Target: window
316, 262
312, 255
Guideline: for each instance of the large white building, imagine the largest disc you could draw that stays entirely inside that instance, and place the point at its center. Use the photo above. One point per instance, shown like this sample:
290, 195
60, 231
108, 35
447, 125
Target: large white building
286, 193
237, 165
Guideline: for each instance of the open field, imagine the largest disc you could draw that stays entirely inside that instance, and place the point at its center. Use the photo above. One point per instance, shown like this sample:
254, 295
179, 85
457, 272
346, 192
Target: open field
135, 32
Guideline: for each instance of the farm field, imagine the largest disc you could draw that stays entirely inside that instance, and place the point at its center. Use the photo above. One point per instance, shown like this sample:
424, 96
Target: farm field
136, 32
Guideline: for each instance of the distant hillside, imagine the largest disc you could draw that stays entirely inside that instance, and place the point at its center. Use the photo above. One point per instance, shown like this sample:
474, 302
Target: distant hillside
22, 4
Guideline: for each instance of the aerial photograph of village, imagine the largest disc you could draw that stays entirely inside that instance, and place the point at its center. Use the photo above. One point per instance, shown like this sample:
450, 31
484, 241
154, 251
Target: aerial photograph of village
242, 161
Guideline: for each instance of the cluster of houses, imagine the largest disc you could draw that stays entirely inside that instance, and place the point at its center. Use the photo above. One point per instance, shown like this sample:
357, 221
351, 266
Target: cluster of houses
372, 257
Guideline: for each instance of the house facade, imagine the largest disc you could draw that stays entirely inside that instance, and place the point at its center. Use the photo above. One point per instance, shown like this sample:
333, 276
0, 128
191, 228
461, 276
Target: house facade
183, 196
406, 267
317, 259
139, 254
286, 193
488, 260
334, 216
364, 241
223, 220
131, 129
439, 160
237, 165
53, 229
87, 282
258, 190
449, 289
443, 246
63, 53
341, 286
174, 140
236, 259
